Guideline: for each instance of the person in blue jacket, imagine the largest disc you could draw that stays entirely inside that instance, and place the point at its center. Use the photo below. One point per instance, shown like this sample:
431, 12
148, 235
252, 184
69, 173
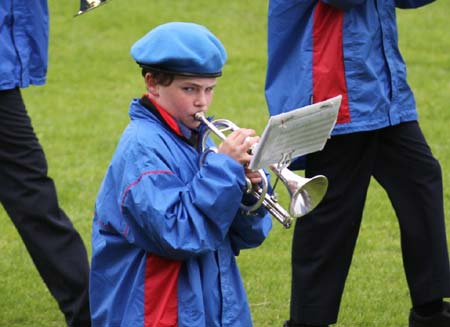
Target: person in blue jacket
27, 193
320, 49
168, 221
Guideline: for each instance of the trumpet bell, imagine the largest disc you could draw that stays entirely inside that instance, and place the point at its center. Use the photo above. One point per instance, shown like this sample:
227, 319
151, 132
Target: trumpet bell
305, 193
86, 5
308, 196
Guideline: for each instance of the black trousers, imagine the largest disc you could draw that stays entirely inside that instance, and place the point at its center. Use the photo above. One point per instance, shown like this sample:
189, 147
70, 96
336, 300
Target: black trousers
29, 197
399, 158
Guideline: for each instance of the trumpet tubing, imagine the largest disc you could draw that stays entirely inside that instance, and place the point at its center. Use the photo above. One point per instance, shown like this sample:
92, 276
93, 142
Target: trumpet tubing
305, 193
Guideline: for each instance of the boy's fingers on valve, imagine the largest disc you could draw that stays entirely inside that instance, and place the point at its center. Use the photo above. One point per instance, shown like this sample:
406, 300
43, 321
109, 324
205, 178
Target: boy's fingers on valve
244, 139
238, 144
240, 135
254, 176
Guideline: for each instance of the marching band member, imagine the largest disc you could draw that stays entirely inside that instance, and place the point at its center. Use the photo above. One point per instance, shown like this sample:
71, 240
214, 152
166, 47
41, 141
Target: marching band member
27, 192
317, 50
166, 229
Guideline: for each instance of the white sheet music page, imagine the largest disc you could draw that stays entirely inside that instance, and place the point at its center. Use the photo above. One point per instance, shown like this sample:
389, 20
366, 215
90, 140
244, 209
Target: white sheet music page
296, 133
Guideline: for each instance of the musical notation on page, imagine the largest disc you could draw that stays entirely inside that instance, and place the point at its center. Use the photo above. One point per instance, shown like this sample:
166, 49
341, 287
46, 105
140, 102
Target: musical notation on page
296, 133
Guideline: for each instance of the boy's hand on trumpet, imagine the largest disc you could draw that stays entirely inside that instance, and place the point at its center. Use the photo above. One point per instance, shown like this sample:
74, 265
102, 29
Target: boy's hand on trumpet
253, 176
238, 146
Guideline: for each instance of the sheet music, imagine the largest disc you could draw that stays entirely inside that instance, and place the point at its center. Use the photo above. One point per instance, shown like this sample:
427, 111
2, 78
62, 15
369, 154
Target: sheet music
296, 133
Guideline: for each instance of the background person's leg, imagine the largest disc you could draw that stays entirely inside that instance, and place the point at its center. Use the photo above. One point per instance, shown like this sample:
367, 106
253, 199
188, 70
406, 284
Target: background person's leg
324, 240
413, 180
29, 197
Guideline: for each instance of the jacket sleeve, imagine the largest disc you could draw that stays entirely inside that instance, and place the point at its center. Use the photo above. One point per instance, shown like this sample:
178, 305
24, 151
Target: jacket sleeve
249, 230
171, 218
407, 4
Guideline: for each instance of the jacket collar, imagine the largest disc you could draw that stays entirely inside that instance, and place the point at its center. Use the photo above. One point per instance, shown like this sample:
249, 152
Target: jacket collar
188, 135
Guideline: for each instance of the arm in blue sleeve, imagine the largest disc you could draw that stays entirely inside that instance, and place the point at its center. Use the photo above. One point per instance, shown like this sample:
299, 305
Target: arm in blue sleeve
173, 219
249, 230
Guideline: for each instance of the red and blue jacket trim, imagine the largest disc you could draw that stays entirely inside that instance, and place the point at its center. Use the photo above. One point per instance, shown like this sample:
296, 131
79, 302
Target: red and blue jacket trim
319, 49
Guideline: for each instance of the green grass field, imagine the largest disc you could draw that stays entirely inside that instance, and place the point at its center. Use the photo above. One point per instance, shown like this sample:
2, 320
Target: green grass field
80, 113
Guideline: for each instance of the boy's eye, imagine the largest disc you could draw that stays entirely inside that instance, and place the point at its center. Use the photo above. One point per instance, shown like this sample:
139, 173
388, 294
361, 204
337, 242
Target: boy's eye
189, 89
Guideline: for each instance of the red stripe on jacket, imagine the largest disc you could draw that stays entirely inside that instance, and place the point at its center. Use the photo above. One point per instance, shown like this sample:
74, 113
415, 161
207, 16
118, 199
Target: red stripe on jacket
328, 58
161, 292
138, 180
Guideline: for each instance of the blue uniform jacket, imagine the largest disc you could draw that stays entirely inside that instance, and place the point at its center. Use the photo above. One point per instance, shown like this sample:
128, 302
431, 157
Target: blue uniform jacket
319, 49
24, 43
166, 232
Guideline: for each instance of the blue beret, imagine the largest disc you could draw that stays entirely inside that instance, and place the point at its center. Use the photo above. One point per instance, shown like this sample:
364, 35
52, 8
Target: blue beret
181, 48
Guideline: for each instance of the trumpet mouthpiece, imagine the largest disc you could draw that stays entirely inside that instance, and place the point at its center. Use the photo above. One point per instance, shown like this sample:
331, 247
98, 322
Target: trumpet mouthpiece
199, 115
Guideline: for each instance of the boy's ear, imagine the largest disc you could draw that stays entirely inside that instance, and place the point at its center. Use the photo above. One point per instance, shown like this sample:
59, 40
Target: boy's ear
152, 86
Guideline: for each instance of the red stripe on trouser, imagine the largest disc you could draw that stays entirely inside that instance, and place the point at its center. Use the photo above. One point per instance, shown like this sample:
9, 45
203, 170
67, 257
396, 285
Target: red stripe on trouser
328, 59
161, 292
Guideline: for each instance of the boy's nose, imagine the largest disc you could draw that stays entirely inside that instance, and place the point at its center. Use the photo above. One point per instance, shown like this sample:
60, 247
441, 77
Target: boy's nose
201, 100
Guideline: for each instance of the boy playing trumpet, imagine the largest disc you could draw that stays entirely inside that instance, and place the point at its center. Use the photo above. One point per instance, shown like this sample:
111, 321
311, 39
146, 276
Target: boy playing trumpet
166, 229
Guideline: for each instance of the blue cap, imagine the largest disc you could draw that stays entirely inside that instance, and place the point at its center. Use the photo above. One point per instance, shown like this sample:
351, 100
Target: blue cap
181, 48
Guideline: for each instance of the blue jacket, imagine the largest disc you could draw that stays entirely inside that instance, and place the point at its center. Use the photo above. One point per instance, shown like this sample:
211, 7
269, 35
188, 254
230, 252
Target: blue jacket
23, 43
319, 49
166, 232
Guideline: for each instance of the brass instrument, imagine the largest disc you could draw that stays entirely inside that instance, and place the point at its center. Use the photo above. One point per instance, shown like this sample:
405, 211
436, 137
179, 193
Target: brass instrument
305, 193
86, 5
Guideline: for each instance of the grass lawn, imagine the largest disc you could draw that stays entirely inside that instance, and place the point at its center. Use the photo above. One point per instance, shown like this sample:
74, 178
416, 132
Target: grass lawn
81, 112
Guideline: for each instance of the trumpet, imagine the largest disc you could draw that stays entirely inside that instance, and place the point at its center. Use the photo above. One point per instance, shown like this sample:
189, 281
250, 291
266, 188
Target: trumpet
86, 5
305, 193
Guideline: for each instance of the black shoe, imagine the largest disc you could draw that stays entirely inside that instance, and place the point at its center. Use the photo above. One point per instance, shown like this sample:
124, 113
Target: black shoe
289, 323
441, 319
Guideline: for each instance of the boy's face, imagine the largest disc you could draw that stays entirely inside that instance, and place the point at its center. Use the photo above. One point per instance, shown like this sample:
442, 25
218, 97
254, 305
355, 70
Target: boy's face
184, 97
